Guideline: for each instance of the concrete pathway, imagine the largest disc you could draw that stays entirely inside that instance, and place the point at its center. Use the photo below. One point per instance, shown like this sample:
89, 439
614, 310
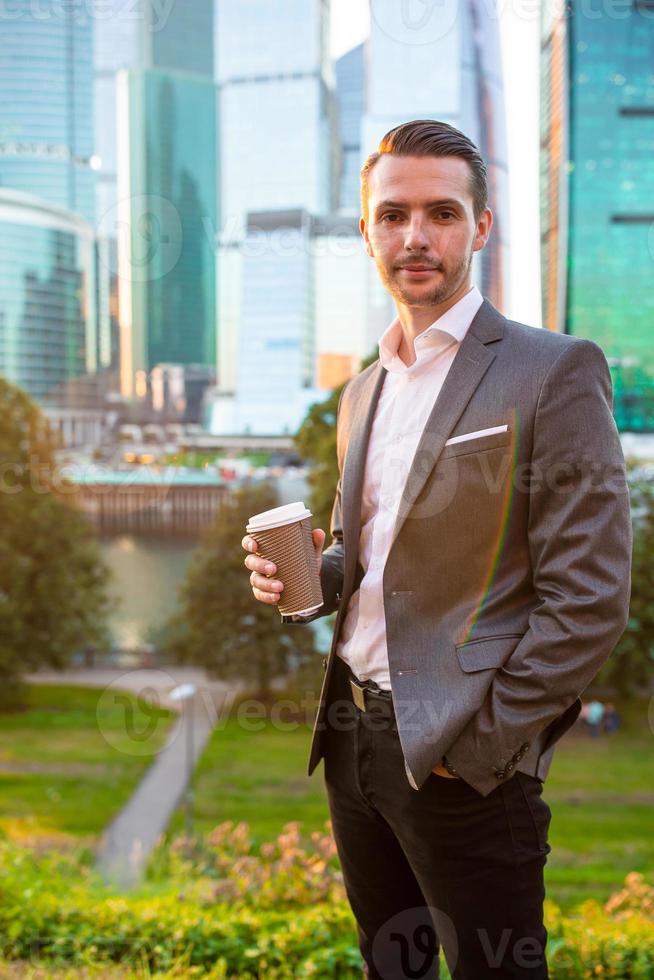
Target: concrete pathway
129, 839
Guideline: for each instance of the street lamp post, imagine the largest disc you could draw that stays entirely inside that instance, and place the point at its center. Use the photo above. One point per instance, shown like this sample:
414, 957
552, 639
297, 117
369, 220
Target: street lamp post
186, 693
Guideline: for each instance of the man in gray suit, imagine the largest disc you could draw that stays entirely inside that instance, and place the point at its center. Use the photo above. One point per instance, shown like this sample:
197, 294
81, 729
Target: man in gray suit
480, 570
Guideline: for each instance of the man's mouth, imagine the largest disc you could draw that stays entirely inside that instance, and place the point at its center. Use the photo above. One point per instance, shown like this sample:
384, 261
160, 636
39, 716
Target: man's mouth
418, 270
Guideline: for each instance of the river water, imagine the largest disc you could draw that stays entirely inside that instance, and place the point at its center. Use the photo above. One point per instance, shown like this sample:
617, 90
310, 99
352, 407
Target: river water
148, 571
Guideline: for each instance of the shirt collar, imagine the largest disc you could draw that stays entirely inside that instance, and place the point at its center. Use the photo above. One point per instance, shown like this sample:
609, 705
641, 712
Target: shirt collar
452, 325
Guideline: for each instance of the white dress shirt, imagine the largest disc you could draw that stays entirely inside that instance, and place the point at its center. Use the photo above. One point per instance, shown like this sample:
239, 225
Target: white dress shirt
405, 402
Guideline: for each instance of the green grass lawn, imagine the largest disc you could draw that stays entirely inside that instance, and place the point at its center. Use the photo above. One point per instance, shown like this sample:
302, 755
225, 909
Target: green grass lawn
601, 792
71, 757
86, 764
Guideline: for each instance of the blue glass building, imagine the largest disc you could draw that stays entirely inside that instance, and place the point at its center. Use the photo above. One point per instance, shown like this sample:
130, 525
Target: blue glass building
597, 187
46, 95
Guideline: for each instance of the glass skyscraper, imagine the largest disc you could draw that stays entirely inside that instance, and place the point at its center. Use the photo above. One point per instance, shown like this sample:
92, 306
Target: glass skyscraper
48, 336
277, 108
597, 180
46, 99
168, 211
350, 88
442, 61
276, 340
278, 138
156, 117
175, 36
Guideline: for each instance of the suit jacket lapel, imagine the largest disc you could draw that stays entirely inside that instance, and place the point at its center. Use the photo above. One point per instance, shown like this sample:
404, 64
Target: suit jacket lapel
354, 467
468, 368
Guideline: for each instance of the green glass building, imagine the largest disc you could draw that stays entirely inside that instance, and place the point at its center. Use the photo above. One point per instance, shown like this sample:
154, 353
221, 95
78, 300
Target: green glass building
168, 209
597, 189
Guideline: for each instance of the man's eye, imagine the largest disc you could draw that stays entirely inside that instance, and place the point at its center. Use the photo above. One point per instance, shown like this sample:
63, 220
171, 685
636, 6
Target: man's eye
389, 217
446, 215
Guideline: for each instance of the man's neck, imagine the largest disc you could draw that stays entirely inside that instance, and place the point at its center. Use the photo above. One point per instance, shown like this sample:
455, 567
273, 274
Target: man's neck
414, 320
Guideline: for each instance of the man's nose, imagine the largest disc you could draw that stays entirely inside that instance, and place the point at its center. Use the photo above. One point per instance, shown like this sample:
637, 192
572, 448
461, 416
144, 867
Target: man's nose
416, 236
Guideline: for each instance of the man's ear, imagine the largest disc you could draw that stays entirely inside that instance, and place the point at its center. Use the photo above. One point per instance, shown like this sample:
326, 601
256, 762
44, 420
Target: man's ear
484, 226
363, 228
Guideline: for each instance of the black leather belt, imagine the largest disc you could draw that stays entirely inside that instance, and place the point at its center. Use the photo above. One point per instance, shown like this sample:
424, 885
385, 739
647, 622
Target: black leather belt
368, 695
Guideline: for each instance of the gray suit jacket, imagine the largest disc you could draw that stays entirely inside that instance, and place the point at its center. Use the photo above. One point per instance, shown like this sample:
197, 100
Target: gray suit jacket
507, 583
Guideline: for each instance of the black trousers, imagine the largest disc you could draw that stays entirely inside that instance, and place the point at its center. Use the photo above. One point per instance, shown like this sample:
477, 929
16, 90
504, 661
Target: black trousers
440, 866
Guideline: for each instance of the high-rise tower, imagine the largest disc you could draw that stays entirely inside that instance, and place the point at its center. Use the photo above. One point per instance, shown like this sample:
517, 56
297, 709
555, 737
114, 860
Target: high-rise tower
46, 94
597, 190
442, 61
156, 115
278, 149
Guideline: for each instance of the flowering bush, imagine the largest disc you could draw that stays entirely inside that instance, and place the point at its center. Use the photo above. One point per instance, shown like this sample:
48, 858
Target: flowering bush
228, 909
228, 867
614, 941
636, 896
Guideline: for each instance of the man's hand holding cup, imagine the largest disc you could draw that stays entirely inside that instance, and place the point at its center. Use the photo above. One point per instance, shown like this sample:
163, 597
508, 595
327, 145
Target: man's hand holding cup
265, 587
284, 558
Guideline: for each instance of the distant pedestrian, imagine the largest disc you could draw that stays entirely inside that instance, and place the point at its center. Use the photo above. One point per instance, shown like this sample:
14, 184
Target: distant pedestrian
595, 715
612, 719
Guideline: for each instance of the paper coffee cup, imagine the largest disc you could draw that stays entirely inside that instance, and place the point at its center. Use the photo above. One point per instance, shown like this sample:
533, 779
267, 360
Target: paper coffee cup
284, 538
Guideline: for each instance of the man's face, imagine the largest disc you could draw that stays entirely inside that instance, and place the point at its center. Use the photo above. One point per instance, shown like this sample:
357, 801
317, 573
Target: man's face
421, 230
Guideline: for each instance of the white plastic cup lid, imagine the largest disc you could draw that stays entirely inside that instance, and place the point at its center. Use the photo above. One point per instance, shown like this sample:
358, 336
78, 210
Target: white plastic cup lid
278, 516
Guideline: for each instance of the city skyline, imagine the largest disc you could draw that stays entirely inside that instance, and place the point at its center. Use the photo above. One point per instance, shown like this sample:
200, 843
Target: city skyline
266, 128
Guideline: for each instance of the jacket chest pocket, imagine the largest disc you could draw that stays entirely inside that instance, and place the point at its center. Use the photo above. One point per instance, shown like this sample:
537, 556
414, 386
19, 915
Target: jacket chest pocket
478, 443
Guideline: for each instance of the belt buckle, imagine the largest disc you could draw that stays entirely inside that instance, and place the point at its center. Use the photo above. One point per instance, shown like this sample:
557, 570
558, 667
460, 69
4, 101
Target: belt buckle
357, 695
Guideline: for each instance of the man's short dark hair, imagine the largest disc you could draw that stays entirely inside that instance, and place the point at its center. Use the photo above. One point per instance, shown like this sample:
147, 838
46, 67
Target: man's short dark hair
431, 138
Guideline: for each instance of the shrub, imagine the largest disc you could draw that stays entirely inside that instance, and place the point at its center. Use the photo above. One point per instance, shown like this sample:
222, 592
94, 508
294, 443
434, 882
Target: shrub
227, 910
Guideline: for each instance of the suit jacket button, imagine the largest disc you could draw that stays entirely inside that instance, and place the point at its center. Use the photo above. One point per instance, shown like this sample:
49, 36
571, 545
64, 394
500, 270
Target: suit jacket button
524, 747
509, 766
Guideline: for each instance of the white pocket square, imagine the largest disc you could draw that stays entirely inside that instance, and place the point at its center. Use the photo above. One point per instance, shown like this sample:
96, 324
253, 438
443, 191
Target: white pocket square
477, 435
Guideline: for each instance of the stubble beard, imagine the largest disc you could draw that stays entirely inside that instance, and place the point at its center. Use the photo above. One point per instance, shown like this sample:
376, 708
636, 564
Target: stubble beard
390, 278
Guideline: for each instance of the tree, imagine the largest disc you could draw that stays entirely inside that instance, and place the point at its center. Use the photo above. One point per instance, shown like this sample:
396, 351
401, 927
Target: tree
631, 666
316, 443
219, 623
53, 581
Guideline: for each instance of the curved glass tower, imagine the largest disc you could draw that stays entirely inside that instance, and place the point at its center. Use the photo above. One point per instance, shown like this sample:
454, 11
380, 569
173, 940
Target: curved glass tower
47, 299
